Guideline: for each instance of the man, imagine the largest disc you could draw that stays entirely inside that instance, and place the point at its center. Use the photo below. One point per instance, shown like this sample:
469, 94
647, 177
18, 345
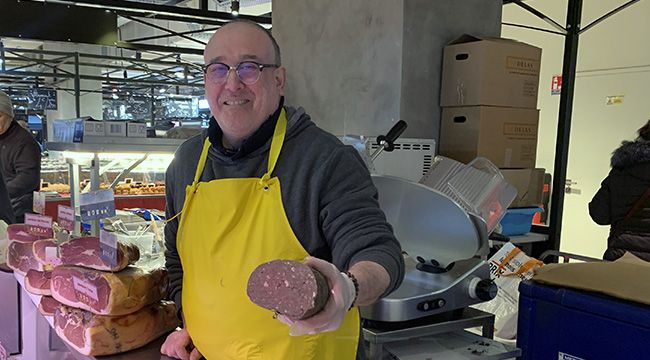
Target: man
264, 183
20, 159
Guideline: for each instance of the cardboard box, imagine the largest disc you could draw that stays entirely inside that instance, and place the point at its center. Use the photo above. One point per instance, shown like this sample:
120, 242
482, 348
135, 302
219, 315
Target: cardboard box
115, 128
529, 184
493, 71
74, 130
505, 136
136, 129
93, 128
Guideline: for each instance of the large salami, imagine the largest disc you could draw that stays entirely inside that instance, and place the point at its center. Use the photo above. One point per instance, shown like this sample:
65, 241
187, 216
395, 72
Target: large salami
288, 287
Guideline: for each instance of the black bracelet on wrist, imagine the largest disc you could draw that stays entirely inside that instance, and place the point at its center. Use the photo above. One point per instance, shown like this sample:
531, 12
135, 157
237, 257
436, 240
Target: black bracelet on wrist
356, 288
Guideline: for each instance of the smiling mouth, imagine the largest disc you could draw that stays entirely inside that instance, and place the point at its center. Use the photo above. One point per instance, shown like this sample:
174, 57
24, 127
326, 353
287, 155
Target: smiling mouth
236, 102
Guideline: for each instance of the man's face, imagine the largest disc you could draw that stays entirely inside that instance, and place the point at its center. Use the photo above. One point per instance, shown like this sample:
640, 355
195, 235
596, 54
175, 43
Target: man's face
240, 109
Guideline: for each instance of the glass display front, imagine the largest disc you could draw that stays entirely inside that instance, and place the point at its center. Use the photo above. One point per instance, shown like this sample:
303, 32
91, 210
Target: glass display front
146, 178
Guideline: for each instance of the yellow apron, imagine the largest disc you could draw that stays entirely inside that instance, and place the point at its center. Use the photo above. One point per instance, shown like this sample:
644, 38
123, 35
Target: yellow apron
227, 228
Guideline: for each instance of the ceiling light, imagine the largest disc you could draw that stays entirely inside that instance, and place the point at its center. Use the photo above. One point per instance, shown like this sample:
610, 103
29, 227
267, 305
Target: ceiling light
115, 97
162, 90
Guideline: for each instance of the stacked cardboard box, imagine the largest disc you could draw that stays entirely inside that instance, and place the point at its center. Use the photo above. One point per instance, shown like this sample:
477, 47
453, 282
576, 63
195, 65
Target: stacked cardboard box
489, 100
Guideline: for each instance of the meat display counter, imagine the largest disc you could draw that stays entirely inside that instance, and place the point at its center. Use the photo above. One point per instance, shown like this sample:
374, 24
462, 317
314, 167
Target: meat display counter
133, 167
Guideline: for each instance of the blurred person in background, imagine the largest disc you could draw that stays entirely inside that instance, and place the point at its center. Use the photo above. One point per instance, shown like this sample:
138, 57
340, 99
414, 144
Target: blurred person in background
6, 211
623, 200
20, 157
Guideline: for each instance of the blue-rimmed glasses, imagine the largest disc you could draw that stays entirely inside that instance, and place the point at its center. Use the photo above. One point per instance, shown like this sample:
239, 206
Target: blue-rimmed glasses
248, 72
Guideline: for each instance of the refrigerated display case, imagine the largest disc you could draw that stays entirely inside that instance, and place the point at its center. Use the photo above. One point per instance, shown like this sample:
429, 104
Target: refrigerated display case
133, 167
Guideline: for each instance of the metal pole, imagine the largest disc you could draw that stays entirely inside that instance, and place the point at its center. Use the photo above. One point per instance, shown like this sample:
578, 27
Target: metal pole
94, 186
153, 107
73, 171
77, 85
574, 13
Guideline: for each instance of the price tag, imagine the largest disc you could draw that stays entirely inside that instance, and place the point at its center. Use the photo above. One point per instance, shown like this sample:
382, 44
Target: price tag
52, 255
66, 217
108, 248
95, 205
85, 288
39, 224
39, 202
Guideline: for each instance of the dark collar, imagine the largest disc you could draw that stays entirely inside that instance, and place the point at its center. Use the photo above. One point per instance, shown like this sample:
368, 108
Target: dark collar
250, 144
10, 129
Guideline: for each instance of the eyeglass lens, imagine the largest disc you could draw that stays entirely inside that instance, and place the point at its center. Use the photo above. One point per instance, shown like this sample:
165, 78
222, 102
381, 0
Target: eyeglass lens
248, 72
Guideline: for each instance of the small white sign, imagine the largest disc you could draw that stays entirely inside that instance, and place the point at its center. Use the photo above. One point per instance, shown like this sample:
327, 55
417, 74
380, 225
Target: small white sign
108, 247
39, 202
52, 255
95, 205
38, 224
108, 238
85, 288
66, 217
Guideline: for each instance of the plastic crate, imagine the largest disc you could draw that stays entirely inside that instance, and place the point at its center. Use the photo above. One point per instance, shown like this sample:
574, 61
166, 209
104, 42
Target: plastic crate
560, 323
518, 221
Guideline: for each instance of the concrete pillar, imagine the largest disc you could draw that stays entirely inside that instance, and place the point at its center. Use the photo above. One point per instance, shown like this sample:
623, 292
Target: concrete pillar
359, 66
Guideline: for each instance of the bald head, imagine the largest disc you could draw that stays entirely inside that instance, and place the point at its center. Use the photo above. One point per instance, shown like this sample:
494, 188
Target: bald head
238, 24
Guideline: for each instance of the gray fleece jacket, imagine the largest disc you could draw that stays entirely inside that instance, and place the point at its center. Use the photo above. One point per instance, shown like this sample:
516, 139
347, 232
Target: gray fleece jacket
328, 195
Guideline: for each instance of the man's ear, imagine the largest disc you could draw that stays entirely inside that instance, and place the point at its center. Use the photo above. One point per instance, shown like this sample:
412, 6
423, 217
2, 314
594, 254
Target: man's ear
280, 79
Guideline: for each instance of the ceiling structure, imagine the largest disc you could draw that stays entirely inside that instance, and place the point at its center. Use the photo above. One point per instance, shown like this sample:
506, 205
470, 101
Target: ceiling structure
159, 47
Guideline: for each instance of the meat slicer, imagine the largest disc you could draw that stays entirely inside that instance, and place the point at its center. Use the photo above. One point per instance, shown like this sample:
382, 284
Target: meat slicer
445, 248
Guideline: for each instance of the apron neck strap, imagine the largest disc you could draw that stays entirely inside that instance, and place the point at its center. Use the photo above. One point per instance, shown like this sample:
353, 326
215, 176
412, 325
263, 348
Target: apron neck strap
202, 159
276, 145
274, 153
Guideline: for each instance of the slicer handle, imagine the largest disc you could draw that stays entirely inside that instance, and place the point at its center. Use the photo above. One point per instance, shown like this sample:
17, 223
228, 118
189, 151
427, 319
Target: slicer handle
386, 141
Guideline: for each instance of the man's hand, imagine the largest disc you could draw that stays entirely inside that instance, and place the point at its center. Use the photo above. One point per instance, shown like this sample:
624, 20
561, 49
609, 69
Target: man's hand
342, 294
177, 344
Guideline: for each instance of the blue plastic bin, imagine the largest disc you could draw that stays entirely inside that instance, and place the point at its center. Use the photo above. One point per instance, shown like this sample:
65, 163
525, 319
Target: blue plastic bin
518, 221
560, 323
